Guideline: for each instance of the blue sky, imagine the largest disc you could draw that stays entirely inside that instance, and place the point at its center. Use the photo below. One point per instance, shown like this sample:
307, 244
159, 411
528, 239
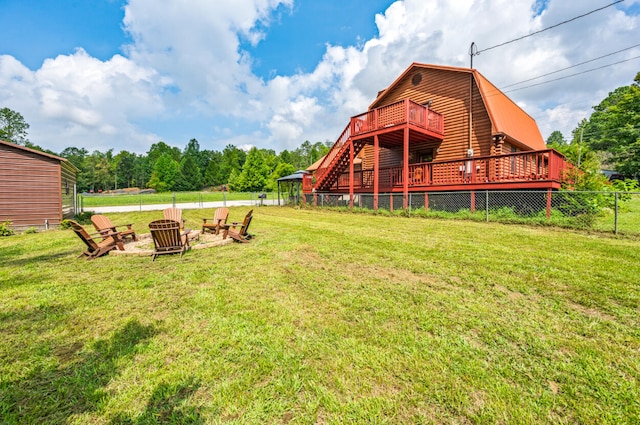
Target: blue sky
43, 29
297, 37
124, 74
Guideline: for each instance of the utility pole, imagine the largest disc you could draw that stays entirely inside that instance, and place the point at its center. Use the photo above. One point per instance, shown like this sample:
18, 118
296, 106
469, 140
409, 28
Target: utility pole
580, 146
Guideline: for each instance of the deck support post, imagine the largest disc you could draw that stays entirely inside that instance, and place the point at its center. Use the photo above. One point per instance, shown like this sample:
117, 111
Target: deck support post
391, 202
315, 199
351, 174
426, 201
405, 170
473, 201
549, 203
376, 170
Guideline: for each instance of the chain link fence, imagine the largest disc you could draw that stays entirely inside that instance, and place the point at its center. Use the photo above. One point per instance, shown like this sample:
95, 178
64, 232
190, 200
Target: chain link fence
186, 200
616, 212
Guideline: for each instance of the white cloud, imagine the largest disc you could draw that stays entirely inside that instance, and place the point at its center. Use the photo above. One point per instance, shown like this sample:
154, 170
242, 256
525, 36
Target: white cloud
77, 100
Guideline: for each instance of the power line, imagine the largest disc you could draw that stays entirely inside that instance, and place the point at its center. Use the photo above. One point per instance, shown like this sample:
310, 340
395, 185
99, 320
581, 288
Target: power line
573, 75
548, 28
569, 67
608, 131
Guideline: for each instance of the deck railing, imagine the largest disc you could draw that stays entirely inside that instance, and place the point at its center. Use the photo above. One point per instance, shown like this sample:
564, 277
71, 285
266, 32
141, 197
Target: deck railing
546, 165
398, 113
402, 112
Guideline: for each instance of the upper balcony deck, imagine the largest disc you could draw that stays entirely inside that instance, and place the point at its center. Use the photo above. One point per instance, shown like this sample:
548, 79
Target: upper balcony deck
390, 117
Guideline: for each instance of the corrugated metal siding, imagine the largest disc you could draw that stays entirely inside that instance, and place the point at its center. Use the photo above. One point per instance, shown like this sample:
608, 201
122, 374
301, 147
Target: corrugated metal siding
29, 188
449, 95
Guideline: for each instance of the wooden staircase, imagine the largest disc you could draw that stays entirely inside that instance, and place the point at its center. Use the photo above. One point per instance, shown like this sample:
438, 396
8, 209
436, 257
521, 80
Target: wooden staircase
330, 170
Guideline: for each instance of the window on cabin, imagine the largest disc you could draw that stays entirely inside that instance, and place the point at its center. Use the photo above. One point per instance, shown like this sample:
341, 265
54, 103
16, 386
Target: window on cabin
426, 156
421, 156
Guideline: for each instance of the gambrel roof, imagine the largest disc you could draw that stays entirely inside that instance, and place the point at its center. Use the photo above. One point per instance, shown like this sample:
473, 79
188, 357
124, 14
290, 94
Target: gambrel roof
507, 118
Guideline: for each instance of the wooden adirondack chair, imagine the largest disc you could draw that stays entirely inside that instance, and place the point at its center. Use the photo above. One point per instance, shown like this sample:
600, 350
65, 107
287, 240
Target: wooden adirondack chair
95, 249
219, 219
241, 234
167, 238
104, 225
174, 214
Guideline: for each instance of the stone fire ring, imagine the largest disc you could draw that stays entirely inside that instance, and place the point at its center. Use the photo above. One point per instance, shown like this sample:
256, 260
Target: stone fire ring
144, 245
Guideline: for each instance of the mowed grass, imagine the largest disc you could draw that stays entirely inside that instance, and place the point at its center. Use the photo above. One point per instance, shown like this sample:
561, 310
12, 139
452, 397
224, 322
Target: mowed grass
325, 317
110, 200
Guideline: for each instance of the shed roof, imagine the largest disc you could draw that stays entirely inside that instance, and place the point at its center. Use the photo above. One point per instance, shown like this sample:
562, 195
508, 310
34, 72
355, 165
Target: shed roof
44, 154
506, 116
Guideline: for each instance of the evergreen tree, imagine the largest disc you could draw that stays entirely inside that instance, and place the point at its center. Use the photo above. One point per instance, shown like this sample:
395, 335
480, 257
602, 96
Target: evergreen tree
165, 173
189, 177
212, 172
232, 159
255, 173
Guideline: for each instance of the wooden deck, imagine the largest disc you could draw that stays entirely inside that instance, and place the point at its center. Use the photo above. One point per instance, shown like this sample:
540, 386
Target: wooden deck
521, 170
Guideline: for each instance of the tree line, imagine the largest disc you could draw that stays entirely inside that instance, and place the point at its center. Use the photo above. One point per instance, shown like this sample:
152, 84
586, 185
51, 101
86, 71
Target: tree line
167, 168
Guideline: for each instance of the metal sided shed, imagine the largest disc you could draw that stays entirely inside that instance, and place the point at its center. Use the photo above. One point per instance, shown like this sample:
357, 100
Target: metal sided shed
290, 187
37, 189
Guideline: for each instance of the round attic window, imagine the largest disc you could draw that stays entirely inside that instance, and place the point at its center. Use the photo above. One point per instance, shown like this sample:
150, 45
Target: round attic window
416, 79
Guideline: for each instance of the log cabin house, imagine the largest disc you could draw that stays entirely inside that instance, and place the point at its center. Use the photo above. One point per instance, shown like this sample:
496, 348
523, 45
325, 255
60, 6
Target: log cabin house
436, 129
37, 189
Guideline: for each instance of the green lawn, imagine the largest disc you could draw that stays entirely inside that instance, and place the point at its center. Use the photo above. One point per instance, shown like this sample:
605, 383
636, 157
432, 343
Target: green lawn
325, 317
165, 198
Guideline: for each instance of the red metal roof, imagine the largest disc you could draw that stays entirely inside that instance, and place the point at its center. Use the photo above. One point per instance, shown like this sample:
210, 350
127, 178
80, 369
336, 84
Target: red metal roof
506, 116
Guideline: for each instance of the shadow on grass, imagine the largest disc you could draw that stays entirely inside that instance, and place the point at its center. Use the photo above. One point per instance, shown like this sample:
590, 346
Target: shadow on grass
21, 260
166, 406
36, 319
52, 394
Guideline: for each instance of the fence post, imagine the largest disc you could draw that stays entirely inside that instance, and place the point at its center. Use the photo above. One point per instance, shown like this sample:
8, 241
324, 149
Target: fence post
224, 198
140, 196
486, 204
409, 206
615, 230
548, 204
173, 199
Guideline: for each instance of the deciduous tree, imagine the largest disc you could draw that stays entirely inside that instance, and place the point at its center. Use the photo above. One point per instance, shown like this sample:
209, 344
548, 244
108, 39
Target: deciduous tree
13, 127
614, 127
